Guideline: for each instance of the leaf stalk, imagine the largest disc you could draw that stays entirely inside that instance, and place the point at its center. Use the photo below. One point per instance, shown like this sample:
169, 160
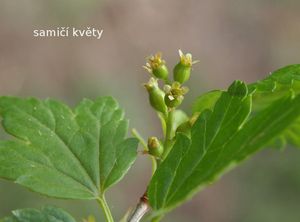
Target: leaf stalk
103, 204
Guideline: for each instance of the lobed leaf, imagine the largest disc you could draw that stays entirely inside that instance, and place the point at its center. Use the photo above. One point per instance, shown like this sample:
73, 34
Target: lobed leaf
209, 133
46, 214
220, 139
63, 153
278, 84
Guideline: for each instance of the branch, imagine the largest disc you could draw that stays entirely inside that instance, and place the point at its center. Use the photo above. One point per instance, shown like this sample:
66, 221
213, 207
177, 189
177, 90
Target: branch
141, 209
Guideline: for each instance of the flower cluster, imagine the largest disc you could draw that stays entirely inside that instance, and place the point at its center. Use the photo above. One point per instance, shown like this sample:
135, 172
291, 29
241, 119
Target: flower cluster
167, 100
173, 93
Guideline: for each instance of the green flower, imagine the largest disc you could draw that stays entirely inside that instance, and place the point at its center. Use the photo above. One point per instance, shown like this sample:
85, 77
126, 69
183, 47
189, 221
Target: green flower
182, 70
156, 96
156, 66
174, 94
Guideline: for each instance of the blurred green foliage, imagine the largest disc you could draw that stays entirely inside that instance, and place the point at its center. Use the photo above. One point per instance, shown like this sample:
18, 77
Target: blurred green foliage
232, 39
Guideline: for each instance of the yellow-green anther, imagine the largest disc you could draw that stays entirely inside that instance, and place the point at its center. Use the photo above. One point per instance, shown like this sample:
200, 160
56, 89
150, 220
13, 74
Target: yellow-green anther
156, 96
155, 148
182, 70
157, 66
174, 94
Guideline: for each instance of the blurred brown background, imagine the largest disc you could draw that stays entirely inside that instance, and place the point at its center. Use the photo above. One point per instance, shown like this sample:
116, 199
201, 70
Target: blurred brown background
232, 39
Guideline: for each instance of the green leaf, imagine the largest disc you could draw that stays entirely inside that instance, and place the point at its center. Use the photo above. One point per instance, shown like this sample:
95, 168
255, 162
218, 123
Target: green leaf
179, 117
265, 126
206, 101
292, 134
275, 86
63, 153
278, 84
208, 134
220, 139
284, 77
46, 214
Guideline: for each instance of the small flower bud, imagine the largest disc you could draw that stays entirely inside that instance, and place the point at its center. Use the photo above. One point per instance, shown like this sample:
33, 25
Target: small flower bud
182, 70
156, 96
157, 66
174, 94
155, 148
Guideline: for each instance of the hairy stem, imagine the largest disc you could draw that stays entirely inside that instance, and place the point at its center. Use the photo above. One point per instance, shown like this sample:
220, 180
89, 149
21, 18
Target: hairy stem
103, 204
141, 209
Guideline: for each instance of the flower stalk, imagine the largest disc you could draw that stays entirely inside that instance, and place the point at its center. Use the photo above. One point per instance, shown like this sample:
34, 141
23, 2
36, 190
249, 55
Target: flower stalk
165, 103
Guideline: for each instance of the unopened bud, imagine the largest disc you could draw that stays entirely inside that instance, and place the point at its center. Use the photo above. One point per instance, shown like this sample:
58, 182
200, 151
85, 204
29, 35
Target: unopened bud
155, 148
